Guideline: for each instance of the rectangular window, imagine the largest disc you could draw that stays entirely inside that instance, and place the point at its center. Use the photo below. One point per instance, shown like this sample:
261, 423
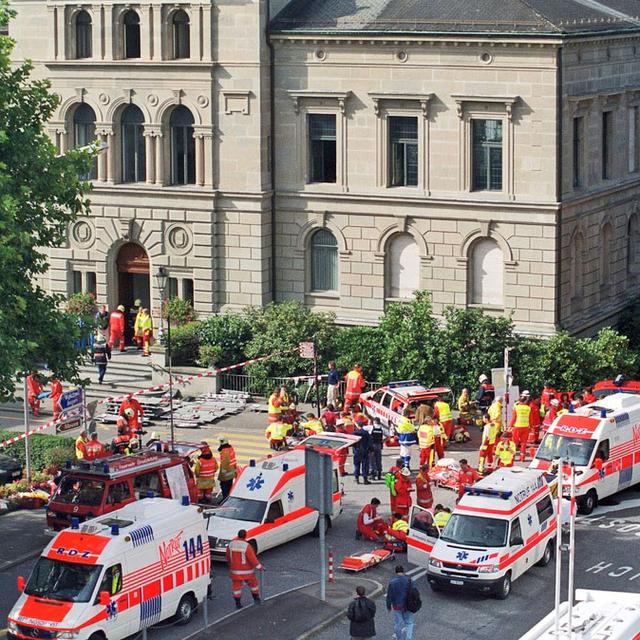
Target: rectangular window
545, 509
487, 155
607, 143
403, 151
172, 287
90, 284
578, 124
322, 147
77, 282
187, 290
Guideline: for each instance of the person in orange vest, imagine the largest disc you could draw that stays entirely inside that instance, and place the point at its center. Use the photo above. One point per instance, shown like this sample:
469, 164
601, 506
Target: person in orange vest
274, 407
548, 394
424, 497
116, 328
94, 448
467, 476
488, 445
56, 393
81, 445
521, 423
228, 466
312, 425
346, 422
370, 526
34, 389
445, 417
134, 419
276, 433
205, 468
506, 450
426, 441
403, 492
355, 385
243, 562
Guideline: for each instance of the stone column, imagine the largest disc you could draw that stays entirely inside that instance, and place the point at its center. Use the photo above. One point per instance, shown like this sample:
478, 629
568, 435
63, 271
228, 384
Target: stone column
203, 135
157, 32
149, 149
159, 158
145, 32
102, 159
199, 137
61, 134
107, 26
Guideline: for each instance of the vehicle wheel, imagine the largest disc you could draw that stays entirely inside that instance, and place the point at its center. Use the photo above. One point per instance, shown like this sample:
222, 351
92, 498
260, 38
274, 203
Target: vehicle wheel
316, 530
588, 503
98, 635
504, 588
254, 545
186, 609
547, 555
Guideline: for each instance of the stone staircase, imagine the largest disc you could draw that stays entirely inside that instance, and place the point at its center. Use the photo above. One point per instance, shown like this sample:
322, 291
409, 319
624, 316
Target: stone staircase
127, 372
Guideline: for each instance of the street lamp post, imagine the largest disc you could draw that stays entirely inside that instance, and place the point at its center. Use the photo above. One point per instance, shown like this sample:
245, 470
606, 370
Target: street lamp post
161, 280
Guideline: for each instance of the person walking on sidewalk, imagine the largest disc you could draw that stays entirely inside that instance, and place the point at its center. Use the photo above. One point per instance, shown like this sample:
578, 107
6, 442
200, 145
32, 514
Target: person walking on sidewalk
361, 612
333, 381
397, 596
101, 354
243, 563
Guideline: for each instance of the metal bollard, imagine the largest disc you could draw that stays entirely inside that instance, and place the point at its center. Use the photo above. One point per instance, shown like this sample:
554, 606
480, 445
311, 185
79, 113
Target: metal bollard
331, 580
144, 633
205, 611
261, 584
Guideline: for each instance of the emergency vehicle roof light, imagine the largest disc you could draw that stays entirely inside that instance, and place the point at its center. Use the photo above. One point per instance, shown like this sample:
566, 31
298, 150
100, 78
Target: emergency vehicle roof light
618, 380
68, 464
115, 530
603, 413
185, 501
105, 468
252, 463
150, 494
479, 491
158, 446
403, 383
75, 523
571, 409
285, 467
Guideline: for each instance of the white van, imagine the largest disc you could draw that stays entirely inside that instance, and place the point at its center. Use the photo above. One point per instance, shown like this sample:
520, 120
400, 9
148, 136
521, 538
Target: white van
502, 526
268, 499
116, 574
603, 440
597, 615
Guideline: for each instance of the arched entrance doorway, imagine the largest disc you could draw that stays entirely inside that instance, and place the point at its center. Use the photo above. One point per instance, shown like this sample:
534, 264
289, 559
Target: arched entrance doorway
133, 282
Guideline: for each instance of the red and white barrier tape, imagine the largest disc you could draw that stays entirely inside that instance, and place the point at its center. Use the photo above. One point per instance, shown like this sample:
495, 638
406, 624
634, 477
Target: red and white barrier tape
42, 427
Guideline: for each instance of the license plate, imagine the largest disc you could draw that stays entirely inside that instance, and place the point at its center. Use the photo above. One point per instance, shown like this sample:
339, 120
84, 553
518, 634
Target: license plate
458, 582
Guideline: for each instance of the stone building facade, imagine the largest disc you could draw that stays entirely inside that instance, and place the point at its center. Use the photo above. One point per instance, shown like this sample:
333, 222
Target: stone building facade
493, 160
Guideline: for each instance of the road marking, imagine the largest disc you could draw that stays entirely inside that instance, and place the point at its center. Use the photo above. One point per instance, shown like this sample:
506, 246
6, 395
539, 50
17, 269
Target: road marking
422, 573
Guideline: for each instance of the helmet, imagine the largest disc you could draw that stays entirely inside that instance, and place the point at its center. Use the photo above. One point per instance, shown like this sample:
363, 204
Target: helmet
459, 436
555, 402
482, 378
121, 308
154, 435
223, 440
525, 394
129, 412
405, 471
133, 443
137, 302
100, 339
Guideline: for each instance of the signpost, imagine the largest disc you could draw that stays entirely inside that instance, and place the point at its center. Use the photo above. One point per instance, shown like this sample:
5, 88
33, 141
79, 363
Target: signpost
307, 350
319, 496
72, 402
72, 399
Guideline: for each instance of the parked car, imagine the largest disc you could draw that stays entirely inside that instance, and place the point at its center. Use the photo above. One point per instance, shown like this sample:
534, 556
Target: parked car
10, 469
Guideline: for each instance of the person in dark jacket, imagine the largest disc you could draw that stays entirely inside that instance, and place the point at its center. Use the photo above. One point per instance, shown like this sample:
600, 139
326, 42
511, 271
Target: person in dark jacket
397, 594
361, 612
375, 453
361, 454
101, 354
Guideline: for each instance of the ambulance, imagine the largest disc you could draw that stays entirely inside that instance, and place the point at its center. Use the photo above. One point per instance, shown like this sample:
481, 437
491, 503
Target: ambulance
268, 499
596, 615
114, 575
503, 525
603, 440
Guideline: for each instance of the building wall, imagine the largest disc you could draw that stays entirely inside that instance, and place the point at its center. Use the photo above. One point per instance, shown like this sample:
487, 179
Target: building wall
598, 280
445, 85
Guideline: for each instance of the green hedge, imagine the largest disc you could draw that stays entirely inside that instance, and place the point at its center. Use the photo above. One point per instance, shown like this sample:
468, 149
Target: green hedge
44, 450
185, 343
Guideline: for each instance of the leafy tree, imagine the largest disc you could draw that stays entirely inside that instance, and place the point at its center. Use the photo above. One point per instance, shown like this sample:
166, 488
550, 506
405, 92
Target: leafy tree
364, 345
224, 339
179, 311
40, 194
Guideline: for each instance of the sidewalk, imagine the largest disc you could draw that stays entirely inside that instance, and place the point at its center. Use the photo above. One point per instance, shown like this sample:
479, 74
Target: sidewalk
295, 615
22, 535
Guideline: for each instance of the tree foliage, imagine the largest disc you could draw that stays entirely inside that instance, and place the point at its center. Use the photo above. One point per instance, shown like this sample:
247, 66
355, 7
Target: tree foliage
40, 195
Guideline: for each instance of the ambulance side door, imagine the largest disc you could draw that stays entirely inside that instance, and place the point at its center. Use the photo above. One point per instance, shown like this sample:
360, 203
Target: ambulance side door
122, 615
515, 544
423, 534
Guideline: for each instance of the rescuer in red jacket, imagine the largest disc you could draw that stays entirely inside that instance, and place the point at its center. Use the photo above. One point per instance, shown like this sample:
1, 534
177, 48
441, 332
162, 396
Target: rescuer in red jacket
116, 328
56, 393
134, 421
402, 502
370, 525
34, 389
243, 562
355, 385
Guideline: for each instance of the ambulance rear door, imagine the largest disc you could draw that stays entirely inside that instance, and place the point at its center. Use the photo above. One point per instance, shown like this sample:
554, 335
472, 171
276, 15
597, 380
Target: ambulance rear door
423, 534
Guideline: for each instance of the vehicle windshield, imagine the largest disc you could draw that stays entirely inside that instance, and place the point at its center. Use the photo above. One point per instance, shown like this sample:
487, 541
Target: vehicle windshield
576, 450
241, 509
475, 531
80, 491
66, 581
324, 443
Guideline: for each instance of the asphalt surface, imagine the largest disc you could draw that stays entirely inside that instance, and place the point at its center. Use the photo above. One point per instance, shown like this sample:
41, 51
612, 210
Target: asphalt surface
606, 558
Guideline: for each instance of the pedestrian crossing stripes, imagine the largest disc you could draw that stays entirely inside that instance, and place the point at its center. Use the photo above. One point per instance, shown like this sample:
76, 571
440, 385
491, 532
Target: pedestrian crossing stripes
247, 445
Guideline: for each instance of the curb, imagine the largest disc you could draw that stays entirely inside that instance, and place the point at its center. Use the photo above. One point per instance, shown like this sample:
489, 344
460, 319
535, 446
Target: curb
324, 624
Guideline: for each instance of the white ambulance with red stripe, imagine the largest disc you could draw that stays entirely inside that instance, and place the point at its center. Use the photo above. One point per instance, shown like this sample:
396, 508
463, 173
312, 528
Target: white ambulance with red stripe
110, 577
502, 526
268, 498
602, 439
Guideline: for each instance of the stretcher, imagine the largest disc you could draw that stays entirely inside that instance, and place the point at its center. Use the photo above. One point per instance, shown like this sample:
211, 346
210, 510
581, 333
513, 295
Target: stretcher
365, 560
446, 473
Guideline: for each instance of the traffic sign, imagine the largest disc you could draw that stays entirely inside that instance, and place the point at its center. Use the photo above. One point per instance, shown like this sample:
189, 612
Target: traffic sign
319, 481
71, 399
69, 424
307, 350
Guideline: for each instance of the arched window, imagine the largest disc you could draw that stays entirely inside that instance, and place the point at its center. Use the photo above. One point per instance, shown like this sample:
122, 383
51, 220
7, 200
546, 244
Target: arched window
181, 34
633, 244
403, 266
487, 273
183, 148
324, 261
605, 254
83, 35
133, 154
577, 266
84, 133
131, 25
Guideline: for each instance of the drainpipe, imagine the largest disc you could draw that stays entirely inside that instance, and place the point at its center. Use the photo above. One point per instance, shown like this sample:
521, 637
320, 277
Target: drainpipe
559, 145
272, 152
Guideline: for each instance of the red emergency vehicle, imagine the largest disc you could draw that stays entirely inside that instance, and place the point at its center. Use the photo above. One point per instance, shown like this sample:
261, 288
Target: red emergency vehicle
617, 385
90, 489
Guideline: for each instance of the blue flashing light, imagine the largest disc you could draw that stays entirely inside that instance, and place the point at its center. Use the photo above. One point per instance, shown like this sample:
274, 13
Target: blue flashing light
115, 530
252, 463
495, 493
571, 409
603, 413
185, 501
75, 523
151, 494
159, 447
285, 467
403, 383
